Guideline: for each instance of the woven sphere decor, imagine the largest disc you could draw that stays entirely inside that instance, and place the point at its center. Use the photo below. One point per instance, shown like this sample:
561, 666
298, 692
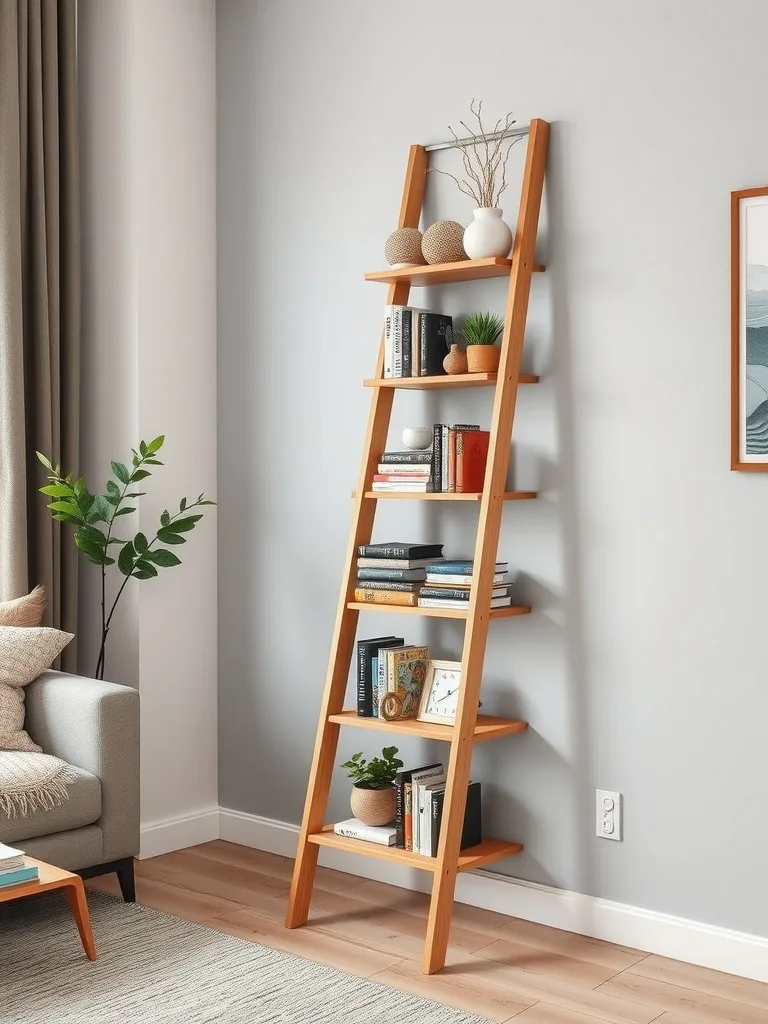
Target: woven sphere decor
403, 248
443, 242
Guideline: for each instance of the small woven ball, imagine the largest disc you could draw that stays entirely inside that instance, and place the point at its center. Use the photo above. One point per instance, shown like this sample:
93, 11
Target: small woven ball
443, 242
403, 248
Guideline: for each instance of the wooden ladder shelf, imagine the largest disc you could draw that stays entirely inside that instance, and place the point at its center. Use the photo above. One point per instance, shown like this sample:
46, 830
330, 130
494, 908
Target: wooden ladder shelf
469, 727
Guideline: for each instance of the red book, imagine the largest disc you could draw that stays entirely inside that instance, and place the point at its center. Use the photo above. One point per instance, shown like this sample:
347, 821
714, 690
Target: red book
471, 457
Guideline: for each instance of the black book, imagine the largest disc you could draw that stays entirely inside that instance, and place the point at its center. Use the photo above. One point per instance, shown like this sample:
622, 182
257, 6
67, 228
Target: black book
403, 585
406, 333
392, 575
472, 832
365, 649
400, 549
406, 458
436, 338
400, 779
437, 457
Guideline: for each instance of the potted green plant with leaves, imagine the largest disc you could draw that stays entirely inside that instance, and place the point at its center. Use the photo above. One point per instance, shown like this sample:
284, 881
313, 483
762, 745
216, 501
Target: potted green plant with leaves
96, 517
480, 332
373, 791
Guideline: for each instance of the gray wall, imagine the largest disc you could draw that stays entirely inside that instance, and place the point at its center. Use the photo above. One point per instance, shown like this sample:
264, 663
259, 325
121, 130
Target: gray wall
642, 668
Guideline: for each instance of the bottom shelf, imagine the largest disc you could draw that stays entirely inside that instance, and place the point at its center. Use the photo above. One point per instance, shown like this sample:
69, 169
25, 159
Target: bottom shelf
488, 851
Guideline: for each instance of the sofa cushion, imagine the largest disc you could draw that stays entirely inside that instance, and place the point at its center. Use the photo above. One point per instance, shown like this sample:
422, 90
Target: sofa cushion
25, 652
82, 808
24, 611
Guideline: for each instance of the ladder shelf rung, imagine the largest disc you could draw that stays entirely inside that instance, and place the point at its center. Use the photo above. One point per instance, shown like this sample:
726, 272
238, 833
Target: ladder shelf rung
488, 727
486, 852
444, 380
438, 613
448, 273
445, 496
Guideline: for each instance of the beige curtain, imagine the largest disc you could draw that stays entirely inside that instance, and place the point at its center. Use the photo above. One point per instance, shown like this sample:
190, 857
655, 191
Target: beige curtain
39, 295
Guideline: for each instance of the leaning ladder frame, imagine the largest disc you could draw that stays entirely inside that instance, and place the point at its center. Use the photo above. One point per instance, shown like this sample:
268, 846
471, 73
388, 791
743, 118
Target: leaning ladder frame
446, 865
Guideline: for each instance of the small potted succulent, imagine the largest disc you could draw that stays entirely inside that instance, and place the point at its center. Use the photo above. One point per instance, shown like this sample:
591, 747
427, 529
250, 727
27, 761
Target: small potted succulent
373, 792
480, 332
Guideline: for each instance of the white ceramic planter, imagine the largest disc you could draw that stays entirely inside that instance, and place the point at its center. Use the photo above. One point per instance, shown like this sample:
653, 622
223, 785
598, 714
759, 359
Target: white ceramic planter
487, 235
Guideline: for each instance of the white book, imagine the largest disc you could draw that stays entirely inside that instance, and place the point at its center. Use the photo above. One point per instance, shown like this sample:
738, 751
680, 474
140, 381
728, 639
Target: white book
395, 563
415, 468
382, 835
425, 813
464, 581
10, 858
397, 341
388, 340
442, 602
419, 779
416, 486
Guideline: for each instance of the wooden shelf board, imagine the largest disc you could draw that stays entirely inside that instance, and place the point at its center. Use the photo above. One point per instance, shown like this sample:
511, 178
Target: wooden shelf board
438, 613
488, 851
449, 496
448, 273
444, 380
488, 726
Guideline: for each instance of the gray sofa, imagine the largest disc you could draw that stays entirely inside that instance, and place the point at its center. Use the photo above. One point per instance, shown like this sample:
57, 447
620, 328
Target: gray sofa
93, 726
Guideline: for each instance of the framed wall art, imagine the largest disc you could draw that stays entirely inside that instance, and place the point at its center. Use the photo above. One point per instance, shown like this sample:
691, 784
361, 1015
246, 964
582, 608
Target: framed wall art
749, 329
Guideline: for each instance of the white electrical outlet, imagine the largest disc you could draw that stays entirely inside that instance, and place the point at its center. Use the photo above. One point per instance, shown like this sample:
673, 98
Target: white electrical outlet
608, 815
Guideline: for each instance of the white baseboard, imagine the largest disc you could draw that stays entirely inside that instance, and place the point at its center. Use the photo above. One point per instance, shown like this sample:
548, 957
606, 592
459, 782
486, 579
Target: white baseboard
705, 945
162, 837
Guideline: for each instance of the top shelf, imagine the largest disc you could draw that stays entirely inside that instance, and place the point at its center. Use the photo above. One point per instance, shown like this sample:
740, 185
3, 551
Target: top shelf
448, 273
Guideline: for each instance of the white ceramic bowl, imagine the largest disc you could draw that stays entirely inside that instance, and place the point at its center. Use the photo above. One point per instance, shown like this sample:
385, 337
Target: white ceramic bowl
418, 439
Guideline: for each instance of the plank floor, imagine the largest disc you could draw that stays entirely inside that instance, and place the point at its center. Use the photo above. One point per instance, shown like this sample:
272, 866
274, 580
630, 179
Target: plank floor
497, 967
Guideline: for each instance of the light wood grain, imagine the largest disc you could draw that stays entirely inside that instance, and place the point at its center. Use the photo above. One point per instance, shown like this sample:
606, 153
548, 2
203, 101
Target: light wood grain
548, 963
444, 496
439, 613
374, 929
456, 380
487, 727
448, 273
345, 627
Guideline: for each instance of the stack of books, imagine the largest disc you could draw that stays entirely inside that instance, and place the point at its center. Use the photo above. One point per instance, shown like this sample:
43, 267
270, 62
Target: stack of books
14, 869
392, 573
419, 814
404, 471
448, 585
459, 457
386, 664
415, 342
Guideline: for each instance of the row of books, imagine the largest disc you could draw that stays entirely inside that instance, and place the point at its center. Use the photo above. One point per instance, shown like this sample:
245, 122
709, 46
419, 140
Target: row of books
386, 664
417, 575
14, 869
415, 341
419, 816
456, 463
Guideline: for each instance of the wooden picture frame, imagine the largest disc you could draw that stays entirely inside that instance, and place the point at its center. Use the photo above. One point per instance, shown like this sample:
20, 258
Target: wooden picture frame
749, 330
433, 667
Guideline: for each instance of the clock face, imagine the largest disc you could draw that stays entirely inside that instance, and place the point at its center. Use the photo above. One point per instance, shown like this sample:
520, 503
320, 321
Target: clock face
444, 694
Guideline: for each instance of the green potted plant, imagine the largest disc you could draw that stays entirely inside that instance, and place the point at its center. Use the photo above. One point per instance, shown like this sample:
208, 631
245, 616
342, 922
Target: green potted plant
373, 791
480, 332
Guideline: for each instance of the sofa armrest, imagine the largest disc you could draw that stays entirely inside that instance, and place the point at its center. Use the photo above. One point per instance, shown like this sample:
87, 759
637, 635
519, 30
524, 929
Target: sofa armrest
94, 725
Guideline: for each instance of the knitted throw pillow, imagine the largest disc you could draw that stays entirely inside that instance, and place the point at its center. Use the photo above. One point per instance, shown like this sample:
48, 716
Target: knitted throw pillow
24, 611
25, 652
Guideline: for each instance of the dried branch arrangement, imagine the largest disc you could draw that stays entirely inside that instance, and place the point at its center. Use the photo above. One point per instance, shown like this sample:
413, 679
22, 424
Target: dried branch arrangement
485, 155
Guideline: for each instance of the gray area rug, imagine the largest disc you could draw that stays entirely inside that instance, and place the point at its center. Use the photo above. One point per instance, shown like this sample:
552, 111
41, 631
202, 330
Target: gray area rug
153, 968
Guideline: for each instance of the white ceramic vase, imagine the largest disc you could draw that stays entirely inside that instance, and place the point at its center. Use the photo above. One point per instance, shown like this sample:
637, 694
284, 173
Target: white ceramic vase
487, 235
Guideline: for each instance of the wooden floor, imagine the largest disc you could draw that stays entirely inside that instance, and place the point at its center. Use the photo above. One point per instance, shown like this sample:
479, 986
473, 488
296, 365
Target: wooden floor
498, 967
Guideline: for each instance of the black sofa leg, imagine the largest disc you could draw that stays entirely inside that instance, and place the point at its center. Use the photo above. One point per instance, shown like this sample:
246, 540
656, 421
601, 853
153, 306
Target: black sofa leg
125, 877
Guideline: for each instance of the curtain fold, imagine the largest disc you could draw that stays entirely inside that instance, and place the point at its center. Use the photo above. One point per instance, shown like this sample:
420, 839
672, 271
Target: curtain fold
40, 304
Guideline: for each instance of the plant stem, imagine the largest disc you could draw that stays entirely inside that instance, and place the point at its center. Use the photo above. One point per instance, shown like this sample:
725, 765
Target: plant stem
101, 663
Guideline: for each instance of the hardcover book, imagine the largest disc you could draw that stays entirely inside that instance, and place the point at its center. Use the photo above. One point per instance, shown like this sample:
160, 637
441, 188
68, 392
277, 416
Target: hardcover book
472, 832
365, 652
458, 593
15, 876
396, 563
403, 793
400, 549
440, 602
471, 459
462, 566
413, 458
436, 337
449, 579
382, 835
366, 596
406, 674
391, 574
404, 586
421, 777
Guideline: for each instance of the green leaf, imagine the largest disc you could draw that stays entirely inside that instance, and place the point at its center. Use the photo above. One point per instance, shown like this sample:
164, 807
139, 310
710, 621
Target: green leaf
124, 512
126, 559
165, 518
169, 537
41, 458
65, 506
142, 575
153, 462
121, 472
112, 488
185, 525
80, 488
139, 474
99, 510
207, 501
140, 543
93, 552
156, 445
136, 494
182, 504
145, 566
165, 559
113, 499
143, 447
57, 490
95, 534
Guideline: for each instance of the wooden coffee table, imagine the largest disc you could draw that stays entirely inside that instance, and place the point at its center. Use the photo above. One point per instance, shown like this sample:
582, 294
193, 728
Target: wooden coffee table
56, 878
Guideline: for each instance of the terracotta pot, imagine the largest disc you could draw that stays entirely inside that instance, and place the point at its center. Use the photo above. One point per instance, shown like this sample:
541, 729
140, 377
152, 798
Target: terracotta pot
373, 806
455, 361
483, 358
